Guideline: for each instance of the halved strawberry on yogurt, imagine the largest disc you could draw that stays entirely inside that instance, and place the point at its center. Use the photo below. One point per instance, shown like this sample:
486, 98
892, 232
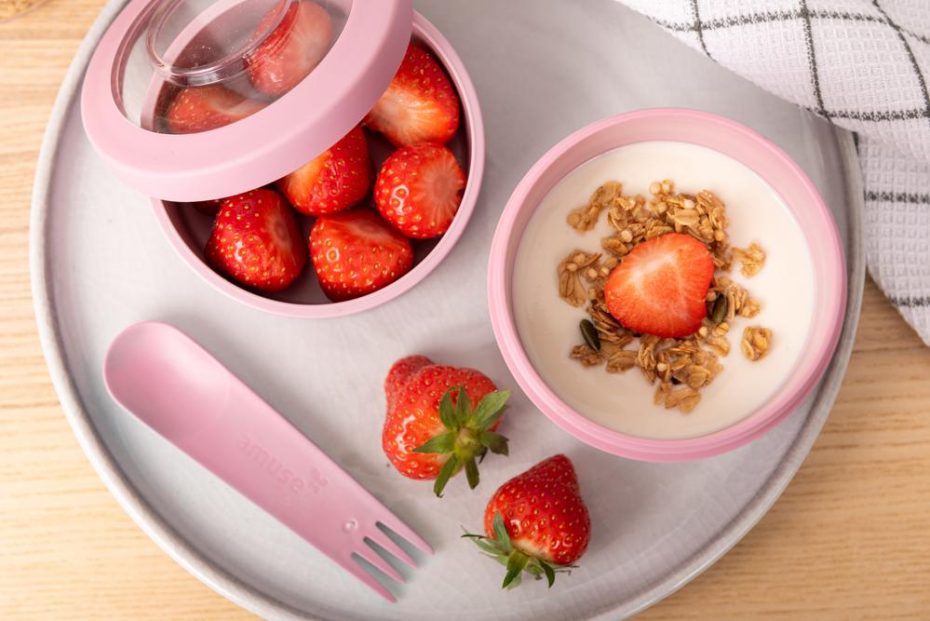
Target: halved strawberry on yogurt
660, 287
292, 50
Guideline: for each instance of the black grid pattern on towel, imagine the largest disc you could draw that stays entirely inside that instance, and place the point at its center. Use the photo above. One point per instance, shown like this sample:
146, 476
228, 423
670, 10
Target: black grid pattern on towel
806, 18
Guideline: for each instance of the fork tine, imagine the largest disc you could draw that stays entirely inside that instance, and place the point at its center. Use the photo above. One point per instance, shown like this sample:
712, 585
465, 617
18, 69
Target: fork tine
351, 565
370, 555
381, 538
395, 524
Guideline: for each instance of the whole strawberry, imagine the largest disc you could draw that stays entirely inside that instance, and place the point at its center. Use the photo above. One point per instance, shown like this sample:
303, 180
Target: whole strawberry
537, 522
419, 190
420, 105
432, 430
355, 252
256, 241
333, 181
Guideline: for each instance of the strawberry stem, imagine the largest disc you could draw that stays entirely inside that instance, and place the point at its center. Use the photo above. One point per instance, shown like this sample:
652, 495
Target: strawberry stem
468, 436
500, 547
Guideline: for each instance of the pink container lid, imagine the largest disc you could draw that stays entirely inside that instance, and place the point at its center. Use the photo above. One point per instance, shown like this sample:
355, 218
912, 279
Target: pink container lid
283, 80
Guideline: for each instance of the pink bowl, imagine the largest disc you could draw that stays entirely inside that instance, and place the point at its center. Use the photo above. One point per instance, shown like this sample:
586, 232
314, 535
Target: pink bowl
739, 143
187, 232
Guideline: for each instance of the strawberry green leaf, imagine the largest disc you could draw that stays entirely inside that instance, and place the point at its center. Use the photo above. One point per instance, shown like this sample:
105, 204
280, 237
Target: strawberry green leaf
442, 443
500, 530
550, 573
467, 437
471, 472
487, 547
462, 407
501, 549
447, 411
494, 441
516, 563
448, 469
490, 409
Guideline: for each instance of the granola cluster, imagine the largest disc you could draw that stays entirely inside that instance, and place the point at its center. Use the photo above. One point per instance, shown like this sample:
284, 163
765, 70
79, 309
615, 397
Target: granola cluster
680, 367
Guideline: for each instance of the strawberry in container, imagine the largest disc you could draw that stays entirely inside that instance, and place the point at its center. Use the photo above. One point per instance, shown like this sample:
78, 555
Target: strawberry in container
310, 158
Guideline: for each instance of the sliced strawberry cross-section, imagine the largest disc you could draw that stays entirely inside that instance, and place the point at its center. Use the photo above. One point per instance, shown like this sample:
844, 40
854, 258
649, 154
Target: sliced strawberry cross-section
660, 287
420, 105
419, 190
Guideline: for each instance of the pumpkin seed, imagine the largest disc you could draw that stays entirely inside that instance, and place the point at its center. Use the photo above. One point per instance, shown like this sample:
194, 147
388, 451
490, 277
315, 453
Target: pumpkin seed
590, 335
719, 312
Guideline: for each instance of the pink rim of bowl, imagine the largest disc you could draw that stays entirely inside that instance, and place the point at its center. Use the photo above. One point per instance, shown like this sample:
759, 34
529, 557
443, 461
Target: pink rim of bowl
729, 138
426, 33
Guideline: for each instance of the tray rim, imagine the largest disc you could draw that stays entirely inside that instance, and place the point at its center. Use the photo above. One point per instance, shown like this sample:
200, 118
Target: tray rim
259, 603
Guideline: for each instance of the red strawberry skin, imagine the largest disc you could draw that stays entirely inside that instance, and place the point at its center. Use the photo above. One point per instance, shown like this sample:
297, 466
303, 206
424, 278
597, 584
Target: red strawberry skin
292, 50
419, 190
333, 181
399, 373
414, 388
256, 241
543, 511
660, 286
355, 252
202, 108
420, 105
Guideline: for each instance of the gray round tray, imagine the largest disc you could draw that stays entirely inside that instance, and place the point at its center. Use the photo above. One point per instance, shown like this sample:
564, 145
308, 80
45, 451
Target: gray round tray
542, 69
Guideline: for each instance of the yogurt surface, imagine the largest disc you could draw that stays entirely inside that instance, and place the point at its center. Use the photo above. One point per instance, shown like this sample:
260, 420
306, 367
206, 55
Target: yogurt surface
548, 326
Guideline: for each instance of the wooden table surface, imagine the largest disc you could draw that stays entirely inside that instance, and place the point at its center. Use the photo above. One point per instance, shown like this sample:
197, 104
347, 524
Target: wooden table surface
850, 538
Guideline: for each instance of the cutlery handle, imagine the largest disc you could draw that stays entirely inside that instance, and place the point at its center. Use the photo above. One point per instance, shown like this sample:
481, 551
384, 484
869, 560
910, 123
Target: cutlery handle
263, 456
181, 391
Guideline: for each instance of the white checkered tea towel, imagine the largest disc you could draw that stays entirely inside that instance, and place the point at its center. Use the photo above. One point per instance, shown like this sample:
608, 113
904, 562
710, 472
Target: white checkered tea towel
865, 66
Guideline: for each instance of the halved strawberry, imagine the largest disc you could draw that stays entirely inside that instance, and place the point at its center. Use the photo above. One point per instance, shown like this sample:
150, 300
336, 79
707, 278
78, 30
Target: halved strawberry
356, 252
256, 241
202, 108
419, 190
660, 286
420, 105
292, 50
335, 180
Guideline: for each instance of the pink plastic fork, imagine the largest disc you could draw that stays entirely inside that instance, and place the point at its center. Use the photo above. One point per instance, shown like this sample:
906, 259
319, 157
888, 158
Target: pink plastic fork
178, 389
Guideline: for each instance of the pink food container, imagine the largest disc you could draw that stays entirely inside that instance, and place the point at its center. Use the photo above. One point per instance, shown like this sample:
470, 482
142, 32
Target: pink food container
155, 49
739, 143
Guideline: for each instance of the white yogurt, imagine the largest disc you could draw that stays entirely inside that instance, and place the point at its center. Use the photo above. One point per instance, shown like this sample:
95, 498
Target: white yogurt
548, 326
